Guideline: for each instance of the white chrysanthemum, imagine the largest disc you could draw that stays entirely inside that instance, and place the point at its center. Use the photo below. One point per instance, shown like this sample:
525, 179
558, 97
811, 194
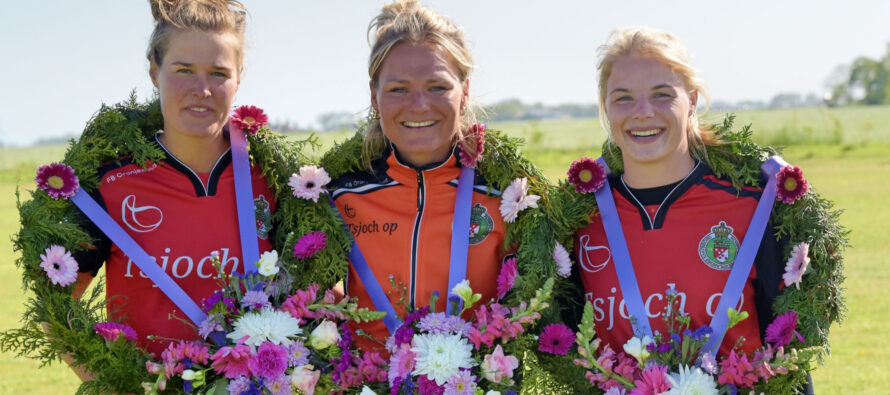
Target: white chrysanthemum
691, 381
440, 356
268, 264
563, 262
516, 198
266, 325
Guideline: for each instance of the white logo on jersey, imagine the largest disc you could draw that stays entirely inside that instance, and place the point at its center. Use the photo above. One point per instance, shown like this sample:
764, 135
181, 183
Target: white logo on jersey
130, 214
584, 255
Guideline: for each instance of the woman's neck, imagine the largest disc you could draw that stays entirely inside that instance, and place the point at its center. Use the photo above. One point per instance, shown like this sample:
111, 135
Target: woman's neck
650, 175
198, 153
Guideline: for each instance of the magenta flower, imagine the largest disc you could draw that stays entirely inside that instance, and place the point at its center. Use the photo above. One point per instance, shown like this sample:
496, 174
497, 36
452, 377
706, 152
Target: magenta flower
587, 175
310, 244
653, 381
470, 159
269, 362
782, 330
791, 184
309, 184
796, 265
232, 360
297, 304
111, 331
556, 339
175, 353
737, 370
401, 363
427, 386
507, 277
248, 118
59, 266
58, 180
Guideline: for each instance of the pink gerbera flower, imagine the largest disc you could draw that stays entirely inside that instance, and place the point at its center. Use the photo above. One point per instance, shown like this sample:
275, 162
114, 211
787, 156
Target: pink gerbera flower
782, 330
249, 119
111, 331
477, 133
797, 265
587, 175
653, 381
516, 198
60, 267
309, 244
310, 182
556, 339
791, 184
507, 277
58, 180
563, 262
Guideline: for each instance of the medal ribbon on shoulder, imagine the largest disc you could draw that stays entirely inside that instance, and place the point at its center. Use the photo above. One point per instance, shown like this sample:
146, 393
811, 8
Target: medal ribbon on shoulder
738, 276
460, 243
137, 254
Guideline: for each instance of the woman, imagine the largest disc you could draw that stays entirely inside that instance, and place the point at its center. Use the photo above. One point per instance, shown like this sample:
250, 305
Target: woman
400, 207
682, 224
182, 208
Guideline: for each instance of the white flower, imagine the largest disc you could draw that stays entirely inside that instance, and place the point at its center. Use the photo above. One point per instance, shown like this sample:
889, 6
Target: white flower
614, 390
268, 264
367, 391
440, 356
493, 392
797, 265
563, 263
691, 381
266, 325
516, 198
324, 335
637, 348
188, 375
462, 289
310, 182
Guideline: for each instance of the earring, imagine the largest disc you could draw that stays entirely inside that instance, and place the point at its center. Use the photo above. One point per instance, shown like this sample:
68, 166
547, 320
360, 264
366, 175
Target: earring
373, 115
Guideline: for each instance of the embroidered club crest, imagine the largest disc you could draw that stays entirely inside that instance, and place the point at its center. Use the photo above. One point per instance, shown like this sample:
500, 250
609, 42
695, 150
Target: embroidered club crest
719, 248
263, 217
481, 223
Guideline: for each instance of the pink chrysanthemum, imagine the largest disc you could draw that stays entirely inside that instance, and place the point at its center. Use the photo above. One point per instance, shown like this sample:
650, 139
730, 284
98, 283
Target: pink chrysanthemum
737, 370
59, 266
556, 339
791, 184
797, 265
58, 180
586, 175
249, 119
309, 244
309, 184
782, 330
653, 381
563, 262
111, 331
516, 198
269, 362
477, 133
507, 277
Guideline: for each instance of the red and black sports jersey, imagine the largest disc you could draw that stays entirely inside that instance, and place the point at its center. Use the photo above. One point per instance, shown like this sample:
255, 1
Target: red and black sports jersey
686, 242
179, 217
401, 216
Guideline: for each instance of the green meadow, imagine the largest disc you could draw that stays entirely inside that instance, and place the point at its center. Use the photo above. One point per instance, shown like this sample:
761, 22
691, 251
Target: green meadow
844, 152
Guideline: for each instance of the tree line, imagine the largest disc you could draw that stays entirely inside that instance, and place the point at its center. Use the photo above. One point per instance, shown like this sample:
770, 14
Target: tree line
865, 81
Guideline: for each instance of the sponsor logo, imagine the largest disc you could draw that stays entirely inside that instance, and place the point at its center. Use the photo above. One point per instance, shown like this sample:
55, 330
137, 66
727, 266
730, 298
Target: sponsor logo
140, 219
592, 258
263, 217
481, 223
350, 212
371, 227
719, 248
114, 176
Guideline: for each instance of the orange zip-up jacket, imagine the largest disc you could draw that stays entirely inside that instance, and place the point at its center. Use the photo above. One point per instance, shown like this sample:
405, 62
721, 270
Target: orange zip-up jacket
401, 216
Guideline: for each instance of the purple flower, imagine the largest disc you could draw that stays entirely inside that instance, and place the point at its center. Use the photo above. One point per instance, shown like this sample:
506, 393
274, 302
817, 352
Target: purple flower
297, 354
239, 385
254, 300
782, 330
212, 323
556, 339
709, 363
58, 180
208, 303
434, 323
404, 334
664, 348
269, 362
111, 331
310, 244
463, 383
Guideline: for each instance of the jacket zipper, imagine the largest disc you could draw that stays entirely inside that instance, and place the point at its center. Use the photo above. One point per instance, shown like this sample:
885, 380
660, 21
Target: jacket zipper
421, 197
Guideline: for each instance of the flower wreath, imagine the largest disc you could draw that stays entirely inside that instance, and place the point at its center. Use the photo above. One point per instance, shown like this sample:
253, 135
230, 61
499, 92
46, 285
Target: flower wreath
56, 323
535, 227
812, 293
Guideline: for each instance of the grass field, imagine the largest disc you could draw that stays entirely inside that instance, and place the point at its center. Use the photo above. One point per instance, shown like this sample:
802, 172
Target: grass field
845, 154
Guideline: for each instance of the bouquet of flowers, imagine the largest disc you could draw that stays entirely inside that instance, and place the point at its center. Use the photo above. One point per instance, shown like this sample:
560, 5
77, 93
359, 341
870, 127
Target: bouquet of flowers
675, 362
260, 336
442, 353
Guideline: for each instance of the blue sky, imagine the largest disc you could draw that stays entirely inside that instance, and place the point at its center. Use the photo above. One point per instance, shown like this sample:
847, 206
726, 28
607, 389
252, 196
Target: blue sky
61, 60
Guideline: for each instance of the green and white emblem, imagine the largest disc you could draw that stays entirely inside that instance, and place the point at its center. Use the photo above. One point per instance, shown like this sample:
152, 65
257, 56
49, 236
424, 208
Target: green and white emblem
263, 217
481, 223
719, 248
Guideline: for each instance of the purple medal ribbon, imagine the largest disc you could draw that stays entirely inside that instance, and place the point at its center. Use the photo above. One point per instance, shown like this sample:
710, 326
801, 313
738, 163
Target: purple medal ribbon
148, 265
735, 284
250, 248
459, 247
